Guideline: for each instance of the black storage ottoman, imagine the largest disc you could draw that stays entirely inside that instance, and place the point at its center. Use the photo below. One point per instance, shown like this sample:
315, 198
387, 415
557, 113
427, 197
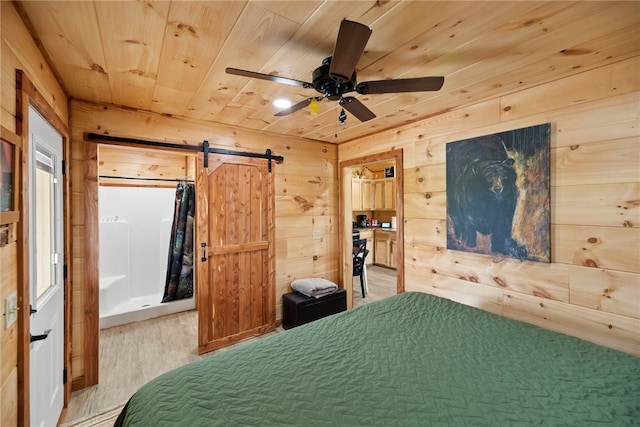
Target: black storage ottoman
298, 309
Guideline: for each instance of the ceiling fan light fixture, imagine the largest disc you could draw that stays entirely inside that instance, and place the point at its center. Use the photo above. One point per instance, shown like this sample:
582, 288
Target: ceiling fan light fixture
282, 103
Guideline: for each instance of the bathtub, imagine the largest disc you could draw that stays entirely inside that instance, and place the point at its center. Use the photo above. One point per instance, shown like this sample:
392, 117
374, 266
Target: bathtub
135, 229
115, 311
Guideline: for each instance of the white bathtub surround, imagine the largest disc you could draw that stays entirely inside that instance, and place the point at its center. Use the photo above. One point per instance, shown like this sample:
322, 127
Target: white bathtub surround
143, 308
135, 227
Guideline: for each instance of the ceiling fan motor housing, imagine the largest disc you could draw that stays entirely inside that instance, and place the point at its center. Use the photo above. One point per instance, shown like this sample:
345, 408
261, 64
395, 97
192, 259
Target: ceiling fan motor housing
326, 85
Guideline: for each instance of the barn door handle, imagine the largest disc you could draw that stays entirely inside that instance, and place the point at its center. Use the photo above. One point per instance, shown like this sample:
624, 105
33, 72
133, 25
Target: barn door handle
203, 245
39, 337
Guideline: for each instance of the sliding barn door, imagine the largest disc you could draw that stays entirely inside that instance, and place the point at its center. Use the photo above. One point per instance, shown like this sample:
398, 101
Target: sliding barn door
235, 291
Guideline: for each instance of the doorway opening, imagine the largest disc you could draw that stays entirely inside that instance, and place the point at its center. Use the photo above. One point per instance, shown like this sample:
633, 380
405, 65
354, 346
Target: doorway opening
374, 220
134, 237
242, 191
372, 209
136, 203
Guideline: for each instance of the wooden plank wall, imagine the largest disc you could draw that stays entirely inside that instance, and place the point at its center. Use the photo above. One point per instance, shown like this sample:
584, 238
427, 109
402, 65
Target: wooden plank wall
18, 51
129, 167
591, 289
306, 193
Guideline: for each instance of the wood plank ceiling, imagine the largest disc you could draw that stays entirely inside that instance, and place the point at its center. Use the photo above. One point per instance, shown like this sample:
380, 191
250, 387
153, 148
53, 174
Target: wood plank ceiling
170, 56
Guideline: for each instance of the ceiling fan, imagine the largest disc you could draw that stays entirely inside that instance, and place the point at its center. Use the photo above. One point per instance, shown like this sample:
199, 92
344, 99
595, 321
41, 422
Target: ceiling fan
337, 76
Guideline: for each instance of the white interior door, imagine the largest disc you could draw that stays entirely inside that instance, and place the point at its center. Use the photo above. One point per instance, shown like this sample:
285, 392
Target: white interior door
46, 272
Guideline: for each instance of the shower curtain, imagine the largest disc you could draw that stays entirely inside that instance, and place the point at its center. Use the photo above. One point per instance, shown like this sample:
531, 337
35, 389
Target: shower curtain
179, 282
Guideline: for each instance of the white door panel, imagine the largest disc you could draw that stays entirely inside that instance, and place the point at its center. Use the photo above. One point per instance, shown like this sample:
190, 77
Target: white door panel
46, 279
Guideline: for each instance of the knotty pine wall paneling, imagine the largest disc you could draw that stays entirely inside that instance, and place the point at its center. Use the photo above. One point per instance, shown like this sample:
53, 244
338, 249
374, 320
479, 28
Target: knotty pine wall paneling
128, 167
305, 186
591, 289
18, 52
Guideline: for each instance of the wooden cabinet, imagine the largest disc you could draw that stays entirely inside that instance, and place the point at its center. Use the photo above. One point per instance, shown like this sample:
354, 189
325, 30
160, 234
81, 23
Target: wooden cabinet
384, 194
381, 257
373, 194
368, 234
385, 248
378, 194
392, 252
356, 195
389, 199
361, 199
366, 195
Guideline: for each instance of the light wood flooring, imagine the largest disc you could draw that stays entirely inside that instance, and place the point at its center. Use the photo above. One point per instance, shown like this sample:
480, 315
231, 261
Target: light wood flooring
382, 284
133, 354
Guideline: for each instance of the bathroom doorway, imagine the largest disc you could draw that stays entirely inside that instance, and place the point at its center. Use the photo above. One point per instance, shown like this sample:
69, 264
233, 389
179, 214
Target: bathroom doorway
150, 159
134, 236
136, 203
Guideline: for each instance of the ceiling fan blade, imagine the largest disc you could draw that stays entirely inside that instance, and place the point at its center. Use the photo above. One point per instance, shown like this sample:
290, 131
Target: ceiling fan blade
419, 84
299, 106
277, 79
352, 38
357, 108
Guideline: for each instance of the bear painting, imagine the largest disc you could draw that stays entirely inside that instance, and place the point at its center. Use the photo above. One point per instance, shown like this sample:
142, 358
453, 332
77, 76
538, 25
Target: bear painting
498, 194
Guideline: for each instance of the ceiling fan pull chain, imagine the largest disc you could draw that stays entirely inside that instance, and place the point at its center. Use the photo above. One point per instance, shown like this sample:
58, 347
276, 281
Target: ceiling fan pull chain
336, 131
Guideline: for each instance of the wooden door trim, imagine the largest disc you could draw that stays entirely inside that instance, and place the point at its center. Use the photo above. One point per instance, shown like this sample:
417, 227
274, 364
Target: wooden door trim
345, 216
28, 95
91, 311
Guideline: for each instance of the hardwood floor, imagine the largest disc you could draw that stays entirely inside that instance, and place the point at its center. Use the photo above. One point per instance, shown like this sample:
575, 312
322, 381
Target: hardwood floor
133, 354
382, 284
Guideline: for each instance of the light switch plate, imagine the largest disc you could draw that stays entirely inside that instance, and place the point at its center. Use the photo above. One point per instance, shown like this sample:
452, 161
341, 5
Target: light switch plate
316, 235
10, 310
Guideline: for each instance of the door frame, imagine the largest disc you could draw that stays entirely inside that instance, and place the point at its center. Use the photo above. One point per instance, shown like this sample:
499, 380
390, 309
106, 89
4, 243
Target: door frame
346, 216
91, 311
28, 95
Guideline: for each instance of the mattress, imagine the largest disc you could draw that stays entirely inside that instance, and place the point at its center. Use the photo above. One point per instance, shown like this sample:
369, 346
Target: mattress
413, 359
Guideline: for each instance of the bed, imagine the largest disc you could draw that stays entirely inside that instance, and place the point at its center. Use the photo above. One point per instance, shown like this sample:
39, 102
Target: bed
412, 359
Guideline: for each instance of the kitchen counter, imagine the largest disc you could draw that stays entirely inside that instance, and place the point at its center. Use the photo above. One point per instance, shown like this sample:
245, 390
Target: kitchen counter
374, 229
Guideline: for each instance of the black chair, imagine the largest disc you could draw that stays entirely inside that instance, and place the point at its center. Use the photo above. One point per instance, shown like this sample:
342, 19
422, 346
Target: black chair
360, 252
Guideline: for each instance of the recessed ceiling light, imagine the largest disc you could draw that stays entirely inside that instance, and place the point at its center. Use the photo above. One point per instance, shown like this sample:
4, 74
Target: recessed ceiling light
282, 103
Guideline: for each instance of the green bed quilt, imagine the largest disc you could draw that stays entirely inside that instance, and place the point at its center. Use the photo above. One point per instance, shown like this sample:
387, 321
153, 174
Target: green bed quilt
410, 360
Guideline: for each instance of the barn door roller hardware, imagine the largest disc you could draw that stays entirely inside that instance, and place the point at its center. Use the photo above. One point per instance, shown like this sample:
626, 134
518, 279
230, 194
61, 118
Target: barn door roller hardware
204, 148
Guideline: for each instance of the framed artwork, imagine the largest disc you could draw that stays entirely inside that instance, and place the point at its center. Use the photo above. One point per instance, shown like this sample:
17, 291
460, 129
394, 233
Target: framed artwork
498, 194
